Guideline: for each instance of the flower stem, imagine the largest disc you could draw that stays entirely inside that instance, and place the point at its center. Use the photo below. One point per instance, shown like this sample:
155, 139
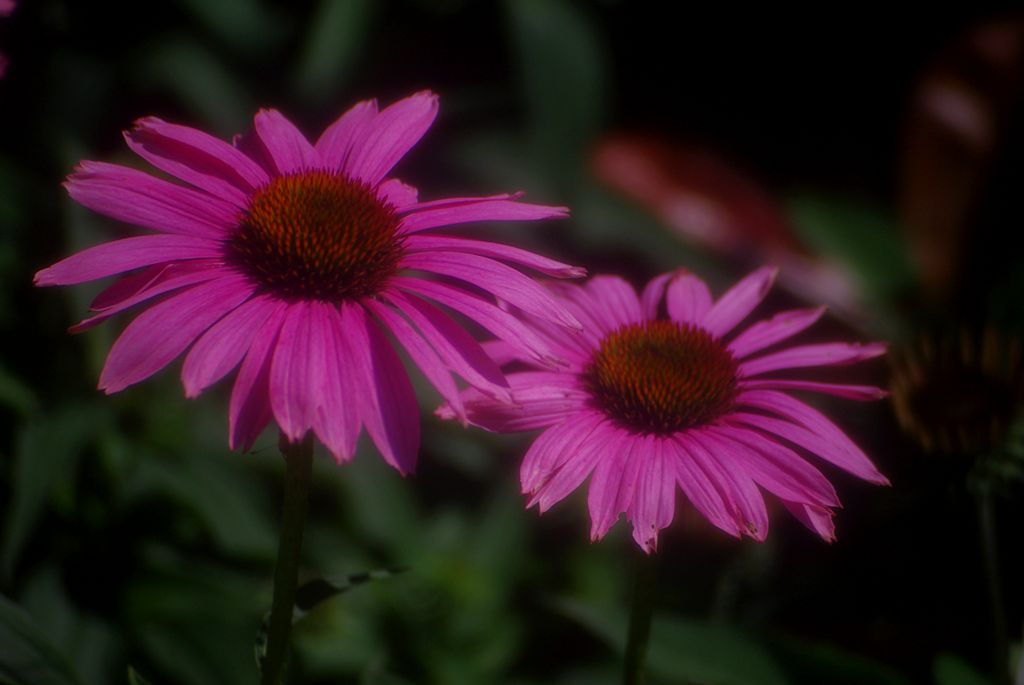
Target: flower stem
298, 467
990, 550
645, 578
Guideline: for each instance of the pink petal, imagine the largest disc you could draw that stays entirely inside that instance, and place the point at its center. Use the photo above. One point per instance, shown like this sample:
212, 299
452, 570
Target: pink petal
158, 335
197, 158
862, 393
569, 474
296, 372
422, 355
817, 519
222, 347
736, 487
653, 294
497, 321
138, 288
458, 201
126, 254
614, 481
396, 193
336, 142
554, 448
480, 210
704, 494
336, 421
617, 300
827, 354
491, 276
539, 399
460, 352
818, 435
506, 253
388, 406
288, 148
139, 199
780, 327
654, 504
249, 410
775, 467
392, 133
739, 301
688, 299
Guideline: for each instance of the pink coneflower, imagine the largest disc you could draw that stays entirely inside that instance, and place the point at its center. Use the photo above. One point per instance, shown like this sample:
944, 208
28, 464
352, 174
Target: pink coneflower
295, 261
649, 401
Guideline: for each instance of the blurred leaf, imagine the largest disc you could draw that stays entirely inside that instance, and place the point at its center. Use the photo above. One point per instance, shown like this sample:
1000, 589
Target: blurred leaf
950, 669
47, 449
814, 662
336, 36
16, 395
135, 679
246, 25
864, 238
312, 593
563, 70
26, 655
683, 650
201, 81
381, 504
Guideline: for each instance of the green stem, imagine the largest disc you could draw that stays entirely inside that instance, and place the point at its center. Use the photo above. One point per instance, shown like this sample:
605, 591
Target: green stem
645, 578
990, 549
298, 467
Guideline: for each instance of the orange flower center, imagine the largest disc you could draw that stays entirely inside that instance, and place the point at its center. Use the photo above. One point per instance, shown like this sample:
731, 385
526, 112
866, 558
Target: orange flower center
662, 377
318, 235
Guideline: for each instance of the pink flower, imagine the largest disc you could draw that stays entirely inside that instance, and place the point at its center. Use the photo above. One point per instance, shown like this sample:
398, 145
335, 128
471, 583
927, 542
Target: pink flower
649, 401
295, 261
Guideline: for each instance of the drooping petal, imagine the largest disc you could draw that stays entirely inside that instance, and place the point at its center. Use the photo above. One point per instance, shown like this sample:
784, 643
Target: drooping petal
422, 355
384, 140
158, 335
137, 288
249, 410
221, 348
139, 199
653, 505
539, 399
492, 276
396, 193
619, 304
554, 448
776, 329
480, 210
687, 298
336, 421
336, 142
613, 482
506, 253
284, 143
704, 494
460, 351
197, 158
127, 254
853, 459
570, 472
862, 393
388, 406
737, 489
296, 372
826, 354
496, 320
738, 302
816, 519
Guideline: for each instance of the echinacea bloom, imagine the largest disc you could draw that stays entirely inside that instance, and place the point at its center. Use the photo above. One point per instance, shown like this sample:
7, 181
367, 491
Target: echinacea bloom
648, 401
295, 261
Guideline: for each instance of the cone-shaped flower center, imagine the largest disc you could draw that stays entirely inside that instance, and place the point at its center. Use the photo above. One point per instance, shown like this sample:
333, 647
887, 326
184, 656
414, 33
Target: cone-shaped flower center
662, 377
318, 235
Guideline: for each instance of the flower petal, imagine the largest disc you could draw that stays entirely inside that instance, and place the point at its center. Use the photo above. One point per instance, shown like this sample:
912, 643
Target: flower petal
296, 372
703, 493
826, 354
222, 347
336, 421
249, 411
389, 135
736, 487
542, 399
480, 210
653, 294
776, 329
554, 448
336, 142
158, 335
197, 158
506, 253
688, 299
284, 143
739, 301
127, 254
396, 193
613, 482
817, 519
617, 300
139, 199
653, 506
862, 393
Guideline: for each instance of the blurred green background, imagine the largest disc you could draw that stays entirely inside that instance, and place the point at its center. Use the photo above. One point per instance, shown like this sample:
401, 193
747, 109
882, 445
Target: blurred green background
874, 157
